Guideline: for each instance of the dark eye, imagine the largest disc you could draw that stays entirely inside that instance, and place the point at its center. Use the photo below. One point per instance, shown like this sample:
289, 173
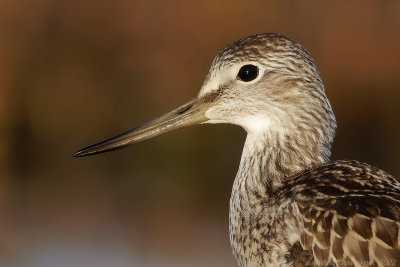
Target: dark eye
248, 73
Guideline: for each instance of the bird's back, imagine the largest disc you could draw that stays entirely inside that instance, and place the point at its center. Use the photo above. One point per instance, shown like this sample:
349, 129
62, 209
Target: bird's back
349, 215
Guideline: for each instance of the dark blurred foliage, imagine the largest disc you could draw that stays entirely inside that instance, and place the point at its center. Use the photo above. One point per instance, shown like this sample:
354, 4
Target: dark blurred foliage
74, 72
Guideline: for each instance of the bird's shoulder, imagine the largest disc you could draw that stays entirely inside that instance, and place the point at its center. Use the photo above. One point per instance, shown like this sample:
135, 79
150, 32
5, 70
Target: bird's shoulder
349, 213
355, 175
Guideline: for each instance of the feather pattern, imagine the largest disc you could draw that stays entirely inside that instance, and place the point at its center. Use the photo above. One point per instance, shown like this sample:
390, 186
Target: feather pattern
350, 215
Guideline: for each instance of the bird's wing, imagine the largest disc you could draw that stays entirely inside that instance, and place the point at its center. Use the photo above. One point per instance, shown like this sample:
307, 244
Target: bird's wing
353, 231
350, 219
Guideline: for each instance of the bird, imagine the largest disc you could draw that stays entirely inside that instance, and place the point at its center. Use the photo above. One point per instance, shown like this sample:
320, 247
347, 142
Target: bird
290, 204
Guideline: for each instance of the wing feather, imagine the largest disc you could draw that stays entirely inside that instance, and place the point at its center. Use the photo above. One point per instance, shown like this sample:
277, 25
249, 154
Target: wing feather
350, 216
355, 240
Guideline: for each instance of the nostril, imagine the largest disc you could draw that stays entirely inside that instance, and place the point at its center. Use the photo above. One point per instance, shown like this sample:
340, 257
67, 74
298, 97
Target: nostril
184, 109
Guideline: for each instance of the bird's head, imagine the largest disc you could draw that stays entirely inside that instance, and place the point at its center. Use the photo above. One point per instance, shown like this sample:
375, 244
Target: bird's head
266, 83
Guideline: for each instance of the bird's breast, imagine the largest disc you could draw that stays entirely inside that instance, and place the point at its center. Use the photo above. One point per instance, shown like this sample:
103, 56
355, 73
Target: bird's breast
261, 233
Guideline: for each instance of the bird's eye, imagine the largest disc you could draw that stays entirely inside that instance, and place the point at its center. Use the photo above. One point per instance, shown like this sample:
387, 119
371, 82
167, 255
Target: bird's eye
248, 73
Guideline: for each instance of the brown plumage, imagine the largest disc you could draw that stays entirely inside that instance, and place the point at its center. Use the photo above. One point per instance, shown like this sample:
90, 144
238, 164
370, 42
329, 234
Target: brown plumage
290, 206
350, 214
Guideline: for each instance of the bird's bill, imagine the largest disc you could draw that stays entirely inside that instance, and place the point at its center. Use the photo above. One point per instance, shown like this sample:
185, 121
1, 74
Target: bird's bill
190, 113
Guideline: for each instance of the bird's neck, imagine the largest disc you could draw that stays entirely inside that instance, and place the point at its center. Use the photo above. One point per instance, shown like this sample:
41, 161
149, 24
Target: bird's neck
270, 159
267, 162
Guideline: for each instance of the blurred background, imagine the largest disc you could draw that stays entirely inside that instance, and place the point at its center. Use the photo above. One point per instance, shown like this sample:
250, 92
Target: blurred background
75, 72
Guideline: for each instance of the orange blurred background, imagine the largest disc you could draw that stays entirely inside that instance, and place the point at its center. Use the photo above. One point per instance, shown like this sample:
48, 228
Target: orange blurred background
74, 72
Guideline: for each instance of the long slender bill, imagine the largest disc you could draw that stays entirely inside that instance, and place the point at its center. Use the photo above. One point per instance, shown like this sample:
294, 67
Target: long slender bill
190, 113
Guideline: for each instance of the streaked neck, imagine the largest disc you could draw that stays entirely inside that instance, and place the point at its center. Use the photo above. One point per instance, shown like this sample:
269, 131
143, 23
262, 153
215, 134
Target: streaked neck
270, 159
